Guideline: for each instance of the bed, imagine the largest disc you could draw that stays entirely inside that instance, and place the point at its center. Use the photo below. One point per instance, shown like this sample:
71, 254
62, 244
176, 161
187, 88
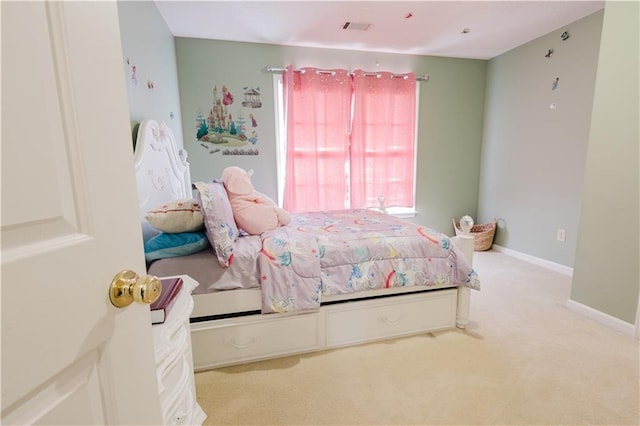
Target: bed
325, 280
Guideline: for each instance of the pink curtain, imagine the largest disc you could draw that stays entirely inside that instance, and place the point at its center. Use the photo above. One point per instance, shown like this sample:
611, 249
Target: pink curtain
383, 139
317, 109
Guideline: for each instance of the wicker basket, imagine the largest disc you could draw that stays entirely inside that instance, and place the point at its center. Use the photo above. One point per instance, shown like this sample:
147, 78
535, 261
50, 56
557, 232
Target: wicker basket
483, 234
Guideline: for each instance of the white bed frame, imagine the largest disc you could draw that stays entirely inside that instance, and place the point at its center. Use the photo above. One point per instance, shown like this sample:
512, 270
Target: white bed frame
162, 173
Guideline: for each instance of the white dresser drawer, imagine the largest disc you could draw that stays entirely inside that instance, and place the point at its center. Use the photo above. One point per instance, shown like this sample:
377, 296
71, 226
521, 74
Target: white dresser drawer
174, 363
175, 376
241, 339
180, 387
369, 320
174, 346
183, 414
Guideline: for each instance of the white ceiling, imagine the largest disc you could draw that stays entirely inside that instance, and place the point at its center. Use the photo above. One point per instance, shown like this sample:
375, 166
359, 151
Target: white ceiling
434, 28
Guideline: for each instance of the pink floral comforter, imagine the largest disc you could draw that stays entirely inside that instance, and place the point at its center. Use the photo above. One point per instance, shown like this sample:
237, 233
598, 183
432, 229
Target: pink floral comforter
348, 251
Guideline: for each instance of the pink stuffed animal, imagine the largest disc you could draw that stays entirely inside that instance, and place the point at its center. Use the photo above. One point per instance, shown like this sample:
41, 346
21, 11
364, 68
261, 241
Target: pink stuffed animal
253, 211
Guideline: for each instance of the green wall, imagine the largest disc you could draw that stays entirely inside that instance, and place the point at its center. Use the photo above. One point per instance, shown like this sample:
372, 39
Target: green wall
450, 127
533, 157
606, 274
148, 45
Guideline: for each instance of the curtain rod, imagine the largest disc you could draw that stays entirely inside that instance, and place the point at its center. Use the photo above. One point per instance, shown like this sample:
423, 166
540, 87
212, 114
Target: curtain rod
268, 69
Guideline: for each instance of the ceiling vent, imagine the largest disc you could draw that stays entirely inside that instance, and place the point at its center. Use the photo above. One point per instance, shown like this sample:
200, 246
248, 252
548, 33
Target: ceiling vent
356, 26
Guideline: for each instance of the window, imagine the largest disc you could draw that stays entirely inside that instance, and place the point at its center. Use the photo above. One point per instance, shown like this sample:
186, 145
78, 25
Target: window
353, 139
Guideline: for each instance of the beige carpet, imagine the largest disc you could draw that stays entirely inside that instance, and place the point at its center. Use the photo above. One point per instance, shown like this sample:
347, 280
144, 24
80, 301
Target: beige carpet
524, 359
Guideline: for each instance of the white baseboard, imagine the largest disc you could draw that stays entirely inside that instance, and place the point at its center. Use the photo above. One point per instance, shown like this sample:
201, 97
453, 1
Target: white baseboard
565, 270
602, 318
577, 307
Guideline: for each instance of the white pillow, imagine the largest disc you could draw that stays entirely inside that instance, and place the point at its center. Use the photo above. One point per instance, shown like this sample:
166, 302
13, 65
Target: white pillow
177, 216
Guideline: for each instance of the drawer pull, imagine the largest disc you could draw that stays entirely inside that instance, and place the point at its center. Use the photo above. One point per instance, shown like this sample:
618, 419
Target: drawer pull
180, 418
233, 343
390, 321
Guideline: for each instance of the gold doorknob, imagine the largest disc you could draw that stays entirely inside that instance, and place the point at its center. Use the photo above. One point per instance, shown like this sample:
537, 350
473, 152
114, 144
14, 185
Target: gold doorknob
127, 287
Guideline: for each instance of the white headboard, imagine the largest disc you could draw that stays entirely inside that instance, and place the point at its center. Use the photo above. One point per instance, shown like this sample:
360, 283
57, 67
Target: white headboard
162, 171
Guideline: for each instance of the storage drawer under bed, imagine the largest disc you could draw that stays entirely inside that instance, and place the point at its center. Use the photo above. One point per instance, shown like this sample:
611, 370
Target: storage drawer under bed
229, 341
358, 322
235, 340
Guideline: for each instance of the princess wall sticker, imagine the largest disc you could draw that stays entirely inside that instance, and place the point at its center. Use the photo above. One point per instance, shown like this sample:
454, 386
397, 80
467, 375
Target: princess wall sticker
225, 126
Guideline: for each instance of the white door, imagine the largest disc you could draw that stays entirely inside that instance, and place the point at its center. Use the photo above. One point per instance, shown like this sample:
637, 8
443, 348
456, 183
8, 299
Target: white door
69, 223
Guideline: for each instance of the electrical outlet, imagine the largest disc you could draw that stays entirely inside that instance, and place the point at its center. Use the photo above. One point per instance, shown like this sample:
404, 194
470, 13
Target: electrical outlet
561, 235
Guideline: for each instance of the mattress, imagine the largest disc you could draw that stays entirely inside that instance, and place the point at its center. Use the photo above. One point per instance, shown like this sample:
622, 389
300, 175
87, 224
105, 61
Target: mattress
204, 267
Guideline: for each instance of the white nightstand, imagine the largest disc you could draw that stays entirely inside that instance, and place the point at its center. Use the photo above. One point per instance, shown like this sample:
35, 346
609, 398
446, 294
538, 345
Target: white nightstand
174, 362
